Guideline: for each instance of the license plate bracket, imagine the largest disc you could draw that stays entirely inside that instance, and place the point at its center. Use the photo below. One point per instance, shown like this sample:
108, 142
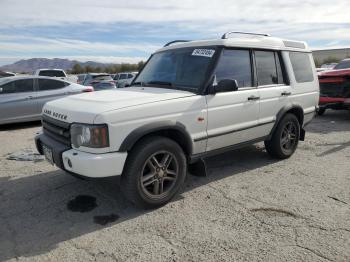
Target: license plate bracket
48, 154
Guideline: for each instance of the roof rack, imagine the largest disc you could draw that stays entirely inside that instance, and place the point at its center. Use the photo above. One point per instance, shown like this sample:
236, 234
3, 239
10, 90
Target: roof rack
176, 41
225, 36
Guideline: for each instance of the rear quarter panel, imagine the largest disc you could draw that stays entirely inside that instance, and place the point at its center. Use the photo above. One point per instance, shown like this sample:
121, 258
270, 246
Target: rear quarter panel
304, 94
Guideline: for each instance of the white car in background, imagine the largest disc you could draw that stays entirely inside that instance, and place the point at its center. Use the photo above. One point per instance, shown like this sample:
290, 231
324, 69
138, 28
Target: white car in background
59, 73
124, 79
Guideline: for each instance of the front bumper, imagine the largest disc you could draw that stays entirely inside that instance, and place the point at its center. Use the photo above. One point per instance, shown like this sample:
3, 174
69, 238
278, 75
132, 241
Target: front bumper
82, 163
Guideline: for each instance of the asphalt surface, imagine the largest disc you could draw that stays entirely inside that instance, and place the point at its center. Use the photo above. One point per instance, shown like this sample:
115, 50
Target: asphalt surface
249, 208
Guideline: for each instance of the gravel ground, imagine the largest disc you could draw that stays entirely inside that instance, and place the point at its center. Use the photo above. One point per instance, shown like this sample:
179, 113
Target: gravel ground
249, 208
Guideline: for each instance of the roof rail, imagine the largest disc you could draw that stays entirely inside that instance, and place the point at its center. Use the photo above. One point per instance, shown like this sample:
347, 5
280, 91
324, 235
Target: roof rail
225, 36
176, 41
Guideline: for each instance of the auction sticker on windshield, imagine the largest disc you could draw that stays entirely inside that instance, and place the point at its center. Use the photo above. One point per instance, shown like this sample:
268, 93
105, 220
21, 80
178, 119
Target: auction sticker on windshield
203, 52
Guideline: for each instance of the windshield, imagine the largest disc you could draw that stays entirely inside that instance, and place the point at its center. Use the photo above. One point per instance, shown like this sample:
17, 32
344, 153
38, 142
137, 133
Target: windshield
183, 69
343, 65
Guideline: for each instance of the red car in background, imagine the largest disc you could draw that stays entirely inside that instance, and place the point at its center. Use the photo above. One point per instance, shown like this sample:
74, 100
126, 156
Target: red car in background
335, 88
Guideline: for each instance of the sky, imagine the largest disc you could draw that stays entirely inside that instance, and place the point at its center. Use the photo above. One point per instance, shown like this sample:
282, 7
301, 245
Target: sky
116, 31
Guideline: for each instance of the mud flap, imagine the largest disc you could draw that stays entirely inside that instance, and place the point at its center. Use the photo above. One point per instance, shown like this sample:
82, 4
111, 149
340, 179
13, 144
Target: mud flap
199, 168
302, 134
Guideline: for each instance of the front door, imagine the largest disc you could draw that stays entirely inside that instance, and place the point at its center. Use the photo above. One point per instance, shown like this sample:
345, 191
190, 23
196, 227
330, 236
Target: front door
233, 116
17, 101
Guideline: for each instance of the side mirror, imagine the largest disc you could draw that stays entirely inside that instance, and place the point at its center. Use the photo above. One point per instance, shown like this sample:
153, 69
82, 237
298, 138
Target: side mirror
1, 89
224, 85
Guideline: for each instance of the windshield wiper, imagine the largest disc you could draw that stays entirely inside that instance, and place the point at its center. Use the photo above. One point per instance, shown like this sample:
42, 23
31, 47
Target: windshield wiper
163, 83
138, 84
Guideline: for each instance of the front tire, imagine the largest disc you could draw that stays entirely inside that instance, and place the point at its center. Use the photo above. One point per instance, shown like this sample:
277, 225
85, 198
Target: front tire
285, 138
154, 173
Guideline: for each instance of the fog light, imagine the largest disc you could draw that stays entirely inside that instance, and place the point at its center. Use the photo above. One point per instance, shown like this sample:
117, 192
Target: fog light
69, 163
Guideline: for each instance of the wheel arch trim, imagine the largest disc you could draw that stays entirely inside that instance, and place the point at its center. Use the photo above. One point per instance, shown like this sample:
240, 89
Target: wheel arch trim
155, 127
284, 110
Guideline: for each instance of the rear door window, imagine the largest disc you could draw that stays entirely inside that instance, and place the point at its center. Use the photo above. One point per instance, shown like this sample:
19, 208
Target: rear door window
18, 86
268, 67
302, 67
51, 84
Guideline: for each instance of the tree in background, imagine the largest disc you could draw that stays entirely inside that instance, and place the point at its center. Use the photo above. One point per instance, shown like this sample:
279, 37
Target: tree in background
328, 60
140, 65
111, 69
331, 59
77, 69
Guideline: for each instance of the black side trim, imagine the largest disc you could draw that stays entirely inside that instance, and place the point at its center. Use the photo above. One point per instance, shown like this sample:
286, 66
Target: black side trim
196, 157
313, 112
232, 131
135, 135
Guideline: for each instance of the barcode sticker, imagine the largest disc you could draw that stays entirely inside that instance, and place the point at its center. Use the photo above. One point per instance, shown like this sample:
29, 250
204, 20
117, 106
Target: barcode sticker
203, 52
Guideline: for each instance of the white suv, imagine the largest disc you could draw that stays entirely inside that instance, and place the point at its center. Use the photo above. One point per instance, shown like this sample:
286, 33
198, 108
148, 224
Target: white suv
191, 100
124, 79
59, 73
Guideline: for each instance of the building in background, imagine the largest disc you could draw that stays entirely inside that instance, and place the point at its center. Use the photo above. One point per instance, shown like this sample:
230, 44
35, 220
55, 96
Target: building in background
329, 55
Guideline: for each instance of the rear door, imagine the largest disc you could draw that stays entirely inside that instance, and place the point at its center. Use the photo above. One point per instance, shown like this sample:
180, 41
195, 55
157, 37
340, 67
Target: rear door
17, 101
273, 87
50, 89
233, 116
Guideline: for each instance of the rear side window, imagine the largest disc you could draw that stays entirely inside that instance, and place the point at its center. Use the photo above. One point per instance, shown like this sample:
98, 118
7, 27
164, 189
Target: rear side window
302, 67
268, 67
130, 76
50, 84
122, 76
235, 64
102, 77
18, 86
54, 73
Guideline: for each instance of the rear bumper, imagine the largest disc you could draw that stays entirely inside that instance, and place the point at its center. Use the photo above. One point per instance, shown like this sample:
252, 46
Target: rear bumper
82, 163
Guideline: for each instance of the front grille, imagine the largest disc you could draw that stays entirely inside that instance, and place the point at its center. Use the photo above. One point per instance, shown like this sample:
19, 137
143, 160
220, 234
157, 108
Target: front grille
57, 130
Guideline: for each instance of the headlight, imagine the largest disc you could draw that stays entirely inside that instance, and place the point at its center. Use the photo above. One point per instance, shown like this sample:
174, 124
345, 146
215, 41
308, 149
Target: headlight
95, 136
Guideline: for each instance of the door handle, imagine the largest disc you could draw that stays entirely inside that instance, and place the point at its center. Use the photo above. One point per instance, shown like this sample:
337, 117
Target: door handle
286, 93
253, 98
30, 97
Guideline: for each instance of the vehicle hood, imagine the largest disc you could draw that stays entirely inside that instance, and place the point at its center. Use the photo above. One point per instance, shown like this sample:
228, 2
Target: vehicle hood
85, 107
332, 73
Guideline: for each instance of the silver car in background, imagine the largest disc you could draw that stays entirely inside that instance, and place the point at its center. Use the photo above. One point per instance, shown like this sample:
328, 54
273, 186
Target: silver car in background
22, 98
124, 79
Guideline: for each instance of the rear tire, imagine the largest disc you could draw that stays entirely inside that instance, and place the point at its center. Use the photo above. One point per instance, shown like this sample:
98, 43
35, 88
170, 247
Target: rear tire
154, 173
285, 138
